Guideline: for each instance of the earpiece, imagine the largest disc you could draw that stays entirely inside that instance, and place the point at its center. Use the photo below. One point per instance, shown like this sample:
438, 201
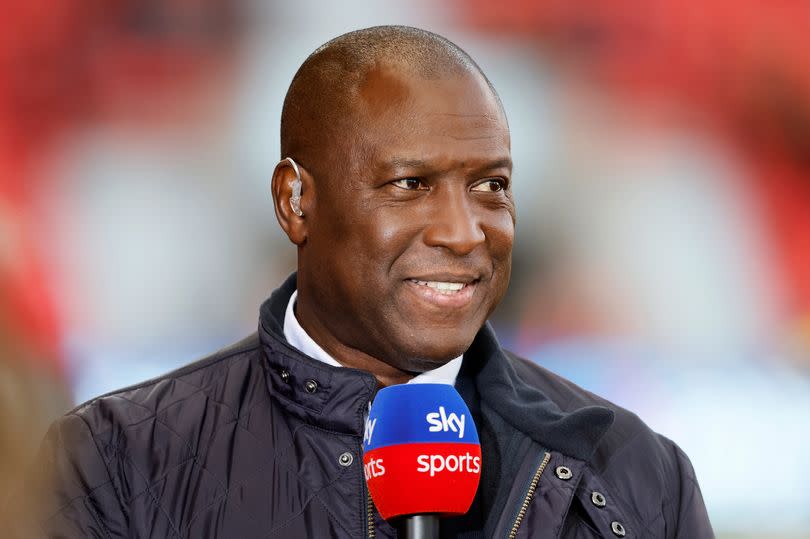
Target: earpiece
295, 185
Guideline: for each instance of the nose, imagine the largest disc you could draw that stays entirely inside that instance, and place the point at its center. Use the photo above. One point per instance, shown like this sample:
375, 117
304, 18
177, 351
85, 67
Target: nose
454, 225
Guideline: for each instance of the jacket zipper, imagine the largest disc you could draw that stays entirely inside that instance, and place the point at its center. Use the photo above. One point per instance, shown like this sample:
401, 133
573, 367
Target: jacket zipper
372, 533
529, 495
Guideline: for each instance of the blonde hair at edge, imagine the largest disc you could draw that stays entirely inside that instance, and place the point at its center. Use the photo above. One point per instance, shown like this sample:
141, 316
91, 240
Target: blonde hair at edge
29, 400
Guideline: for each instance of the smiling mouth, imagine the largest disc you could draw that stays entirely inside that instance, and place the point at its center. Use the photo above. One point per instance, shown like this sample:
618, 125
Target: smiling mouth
442, 287
444, 294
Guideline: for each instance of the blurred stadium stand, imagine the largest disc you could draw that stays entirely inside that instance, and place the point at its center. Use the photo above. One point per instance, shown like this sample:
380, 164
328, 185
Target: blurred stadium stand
662, 158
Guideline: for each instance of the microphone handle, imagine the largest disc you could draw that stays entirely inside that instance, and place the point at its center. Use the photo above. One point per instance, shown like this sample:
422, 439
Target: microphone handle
418, 527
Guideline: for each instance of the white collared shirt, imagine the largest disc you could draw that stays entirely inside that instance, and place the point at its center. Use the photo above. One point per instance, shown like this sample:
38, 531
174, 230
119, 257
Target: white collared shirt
300, 339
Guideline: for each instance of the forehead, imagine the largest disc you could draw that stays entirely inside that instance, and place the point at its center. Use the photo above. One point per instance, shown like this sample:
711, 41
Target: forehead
451, 119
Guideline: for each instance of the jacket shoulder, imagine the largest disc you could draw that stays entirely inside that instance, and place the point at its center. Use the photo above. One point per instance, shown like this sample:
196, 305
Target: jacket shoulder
104, 454
174, 400
627, 427
201, 369
640, 465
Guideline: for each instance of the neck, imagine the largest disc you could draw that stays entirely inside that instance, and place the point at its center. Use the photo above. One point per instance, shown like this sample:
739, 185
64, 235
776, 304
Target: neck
385, 373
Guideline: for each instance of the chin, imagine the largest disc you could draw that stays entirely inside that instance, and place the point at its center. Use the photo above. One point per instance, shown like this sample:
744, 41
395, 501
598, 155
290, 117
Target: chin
419, 365
428, 357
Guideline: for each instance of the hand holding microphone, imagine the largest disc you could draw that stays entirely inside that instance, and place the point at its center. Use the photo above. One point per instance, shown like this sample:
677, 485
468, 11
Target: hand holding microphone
422, 457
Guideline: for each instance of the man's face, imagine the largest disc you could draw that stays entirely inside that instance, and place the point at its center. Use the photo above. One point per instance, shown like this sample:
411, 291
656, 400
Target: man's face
408, 248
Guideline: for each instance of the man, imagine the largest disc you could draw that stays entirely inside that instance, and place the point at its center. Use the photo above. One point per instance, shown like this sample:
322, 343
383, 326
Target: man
395, 186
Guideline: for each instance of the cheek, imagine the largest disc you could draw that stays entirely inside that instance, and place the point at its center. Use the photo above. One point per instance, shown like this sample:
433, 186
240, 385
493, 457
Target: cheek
389, 232
346, 225
500, 233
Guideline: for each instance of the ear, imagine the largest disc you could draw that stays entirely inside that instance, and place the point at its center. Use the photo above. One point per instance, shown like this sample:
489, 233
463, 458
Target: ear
284, 179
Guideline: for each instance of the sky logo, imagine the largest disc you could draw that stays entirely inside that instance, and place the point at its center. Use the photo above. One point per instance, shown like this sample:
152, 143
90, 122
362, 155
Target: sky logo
442, 421
369, 432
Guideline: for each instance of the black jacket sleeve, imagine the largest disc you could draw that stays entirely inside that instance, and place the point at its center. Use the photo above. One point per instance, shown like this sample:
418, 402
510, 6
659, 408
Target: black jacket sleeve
692, 518
82, 500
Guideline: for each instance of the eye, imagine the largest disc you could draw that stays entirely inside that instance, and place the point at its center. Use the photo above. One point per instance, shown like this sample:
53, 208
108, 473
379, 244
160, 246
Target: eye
490, 185
410, 184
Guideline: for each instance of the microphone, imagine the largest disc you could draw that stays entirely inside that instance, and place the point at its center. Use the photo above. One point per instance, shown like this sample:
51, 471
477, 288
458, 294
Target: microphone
421, 456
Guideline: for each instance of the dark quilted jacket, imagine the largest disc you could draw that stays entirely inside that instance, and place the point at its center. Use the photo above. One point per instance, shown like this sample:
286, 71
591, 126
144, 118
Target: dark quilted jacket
253, 442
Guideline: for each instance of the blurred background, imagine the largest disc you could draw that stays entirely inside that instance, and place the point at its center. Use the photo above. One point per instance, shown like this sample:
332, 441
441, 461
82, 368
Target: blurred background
662, 177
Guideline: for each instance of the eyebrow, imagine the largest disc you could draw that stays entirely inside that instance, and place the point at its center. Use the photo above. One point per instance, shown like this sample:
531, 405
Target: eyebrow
504, 162
404, 162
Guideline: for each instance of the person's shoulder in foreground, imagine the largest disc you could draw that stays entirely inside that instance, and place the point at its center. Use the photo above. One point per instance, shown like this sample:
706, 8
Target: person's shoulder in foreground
395, 188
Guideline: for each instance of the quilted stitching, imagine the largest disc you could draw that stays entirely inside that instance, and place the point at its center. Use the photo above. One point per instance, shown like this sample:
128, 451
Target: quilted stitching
117, 453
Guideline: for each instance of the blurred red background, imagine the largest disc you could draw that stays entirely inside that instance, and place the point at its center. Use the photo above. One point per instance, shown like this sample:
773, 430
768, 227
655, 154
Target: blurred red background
136, 139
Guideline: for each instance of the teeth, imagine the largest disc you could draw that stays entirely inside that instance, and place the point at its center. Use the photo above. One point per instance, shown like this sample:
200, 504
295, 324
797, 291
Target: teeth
444, 288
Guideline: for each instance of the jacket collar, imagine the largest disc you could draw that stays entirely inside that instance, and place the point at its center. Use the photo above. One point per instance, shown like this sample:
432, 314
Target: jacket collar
332, 398
524, 406
341, 395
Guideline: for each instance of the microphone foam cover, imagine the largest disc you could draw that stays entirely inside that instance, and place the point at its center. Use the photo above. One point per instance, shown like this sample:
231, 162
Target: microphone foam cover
421, 452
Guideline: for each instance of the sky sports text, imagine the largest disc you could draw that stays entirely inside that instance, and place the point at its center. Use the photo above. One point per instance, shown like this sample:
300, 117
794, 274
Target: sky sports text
442, 421
438, 421
373, 468
434, 464
450, 463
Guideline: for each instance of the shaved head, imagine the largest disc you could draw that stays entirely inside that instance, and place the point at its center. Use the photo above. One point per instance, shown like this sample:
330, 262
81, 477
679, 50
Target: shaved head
405, 222
321, 103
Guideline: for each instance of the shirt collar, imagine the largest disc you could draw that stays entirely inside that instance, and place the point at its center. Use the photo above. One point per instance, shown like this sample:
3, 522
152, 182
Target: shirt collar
298, 338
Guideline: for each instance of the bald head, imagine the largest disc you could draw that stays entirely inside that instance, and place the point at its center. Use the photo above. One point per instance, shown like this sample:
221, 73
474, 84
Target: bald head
323, 97
405, 173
